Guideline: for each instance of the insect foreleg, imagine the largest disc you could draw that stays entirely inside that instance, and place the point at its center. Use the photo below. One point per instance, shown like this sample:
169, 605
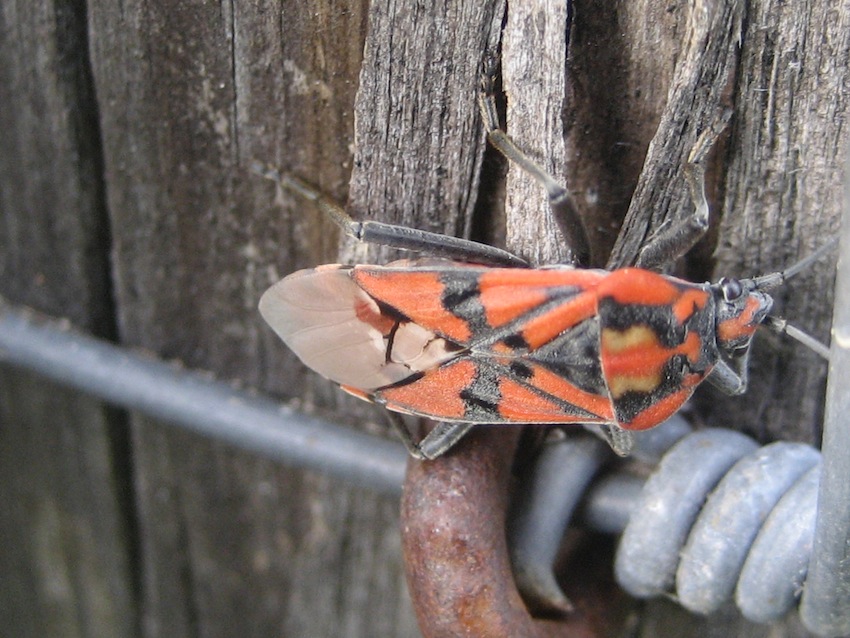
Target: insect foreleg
730, 379
674, 240
560, 199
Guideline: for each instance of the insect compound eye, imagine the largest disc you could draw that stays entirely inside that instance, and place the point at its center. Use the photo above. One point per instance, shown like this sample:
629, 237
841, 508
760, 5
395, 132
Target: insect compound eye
732, 289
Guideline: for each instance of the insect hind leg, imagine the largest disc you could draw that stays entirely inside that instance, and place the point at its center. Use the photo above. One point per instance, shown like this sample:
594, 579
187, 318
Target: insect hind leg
436, 443
391, 235
620, 440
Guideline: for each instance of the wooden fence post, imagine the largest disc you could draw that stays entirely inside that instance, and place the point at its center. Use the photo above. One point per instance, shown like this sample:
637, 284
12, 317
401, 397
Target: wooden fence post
126, 138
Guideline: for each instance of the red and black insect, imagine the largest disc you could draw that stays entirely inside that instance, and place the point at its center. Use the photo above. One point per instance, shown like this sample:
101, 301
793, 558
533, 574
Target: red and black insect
478, 337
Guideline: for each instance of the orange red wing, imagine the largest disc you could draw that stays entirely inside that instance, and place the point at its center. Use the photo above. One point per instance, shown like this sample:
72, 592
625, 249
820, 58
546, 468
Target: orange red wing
449, 341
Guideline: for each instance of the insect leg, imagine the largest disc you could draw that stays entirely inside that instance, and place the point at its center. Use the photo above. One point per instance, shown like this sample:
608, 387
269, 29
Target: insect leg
392, 235
560, 199
730, 379
443, 438
436, 443
674, 240
404, 434
620, 440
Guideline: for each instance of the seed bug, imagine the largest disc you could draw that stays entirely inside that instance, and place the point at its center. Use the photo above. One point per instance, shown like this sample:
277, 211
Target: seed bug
473, 335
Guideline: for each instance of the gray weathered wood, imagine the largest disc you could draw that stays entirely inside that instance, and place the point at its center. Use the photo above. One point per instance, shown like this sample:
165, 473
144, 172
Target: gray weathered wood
67, 544
621, 60
418, 136
694, 103
54, 234
190, 94
533, 71
67, 553
187, 96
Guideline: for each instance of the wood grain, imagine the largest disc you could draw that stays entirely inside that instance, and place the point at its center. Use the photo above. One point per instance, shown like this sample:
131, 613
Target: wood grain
190, 95
67, 556
128, 205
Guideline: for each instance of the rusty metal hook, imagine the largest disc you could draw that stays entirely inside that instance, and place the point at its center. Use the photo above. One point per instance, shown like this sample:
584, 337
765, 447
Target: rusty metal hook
453, 515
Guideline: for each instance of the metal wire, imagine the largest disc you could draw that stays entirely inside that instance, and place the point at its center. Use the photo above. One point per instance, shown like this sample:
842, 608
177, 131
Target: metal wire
741, 518
721, 517
718, 519
826, 600
197, 402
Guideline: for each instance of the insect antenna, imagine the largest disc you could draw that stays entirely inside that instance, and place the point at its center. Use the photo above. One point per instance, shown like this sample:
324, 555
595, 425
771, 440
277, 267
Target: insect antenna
780, 326
772, 280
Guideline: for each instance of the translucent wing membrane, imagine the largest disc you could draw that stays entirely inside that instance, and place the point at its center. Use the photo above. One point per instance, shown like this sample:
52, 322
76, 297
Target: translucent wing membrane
337, 329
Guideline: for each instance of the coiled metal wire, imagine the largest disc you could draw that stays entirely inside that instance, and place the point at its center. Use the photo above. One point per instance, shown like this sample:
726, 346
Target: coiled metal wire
719, 518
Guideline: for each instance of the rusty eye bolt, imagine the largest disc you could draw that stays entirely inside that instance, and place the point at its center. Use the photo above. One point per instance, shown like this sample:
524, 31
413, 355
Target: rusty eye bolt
454, 516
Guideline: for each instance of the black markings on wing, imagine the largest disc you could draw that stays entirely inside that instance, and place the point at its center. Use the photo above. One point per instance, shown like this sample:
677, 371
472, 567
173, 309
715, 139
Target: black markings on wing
483, 398
520, 369
461, 297
574, 355
515, 341
482, 395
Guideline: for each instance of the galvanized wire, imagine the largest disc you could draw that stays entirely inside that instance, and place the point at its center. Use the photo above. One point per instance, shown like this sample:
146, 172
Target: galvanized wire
197, 402
722, 518
718, 515
718, 519
826, 600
